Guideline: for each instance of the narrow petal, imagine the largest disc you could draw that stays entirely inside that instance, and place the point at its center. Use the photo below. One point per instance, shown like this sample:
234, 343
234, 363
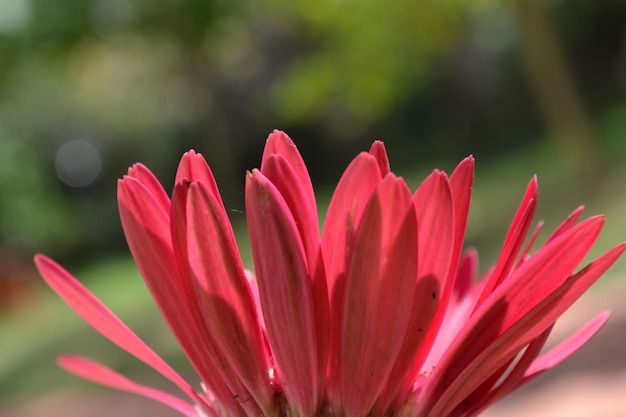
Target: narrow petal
151, 183
100, 374
342, 219
566, 348
90, 309
568, 223
193, 167
461, 184
147, 230
379, 152
435, 226
523, 373
277, 169
344, 215
507, 379
380, 291
225, 300
533, 238
506, 312
513, 240
435, 223
467, 273
285, 291
278, 143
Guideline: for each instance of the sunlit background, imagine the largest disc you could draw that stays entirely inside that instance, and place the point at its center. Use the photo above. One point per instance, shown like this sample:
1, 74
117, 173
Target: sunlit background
89, 87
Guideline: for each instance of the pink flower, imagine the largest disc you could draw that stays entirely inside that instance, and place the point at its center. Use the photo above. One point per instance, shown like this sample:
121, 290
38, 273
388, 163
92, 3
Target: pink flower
381, 315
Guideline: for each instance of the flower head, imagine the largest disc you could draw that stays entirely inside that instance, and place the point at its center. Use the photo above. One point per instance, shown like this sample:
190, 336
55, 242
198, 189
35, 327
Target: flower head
381, 314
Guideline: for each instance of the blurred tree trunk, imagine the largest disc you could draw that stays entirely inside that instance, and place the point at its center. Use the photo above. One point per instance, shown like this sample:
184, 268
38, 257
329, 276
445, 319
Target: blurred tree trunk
553, 85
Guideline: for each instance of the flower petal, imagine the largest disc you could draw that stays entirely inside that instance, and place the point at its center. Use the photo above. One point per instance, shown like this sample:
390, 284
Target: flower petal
344, 214
513, 241
568, 223
277, 169
435, 227
461, 184
511, 309
566, 348
506, 378
152, 184
285, 291
147, 230
379, 152
278, 143
100, 374
225, 301
380, 291
193, 167
90, 309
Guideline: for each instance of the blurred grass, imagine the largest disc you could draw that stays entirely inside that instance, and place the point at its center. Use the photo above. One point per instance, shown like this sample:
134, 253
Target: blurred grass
34, 335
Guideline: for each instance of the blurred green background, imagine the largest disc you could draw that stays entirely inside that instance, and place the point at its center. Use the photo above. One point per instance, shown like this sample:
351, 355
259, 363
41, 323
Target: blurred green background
87, 88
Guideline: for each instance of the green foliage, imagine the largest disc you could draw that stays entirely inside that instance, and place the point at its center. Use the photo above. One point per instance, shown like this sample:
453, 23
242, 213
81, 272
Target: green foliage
364, 56
32, 213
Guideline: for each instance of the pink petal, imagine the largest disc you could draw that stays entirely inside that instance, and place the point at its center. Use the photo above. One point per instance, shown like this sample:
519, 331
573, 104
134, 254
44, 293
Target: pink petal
573, 288
523, 373
467, 272
435, 222
254, 290
152, 184
496, 325
193, 167
285, 291
344, 215
282, 175
435, 226
100, 374
147, 230
461, 183
379, 152
533, 238
225, 302
380, 292
90, 309
488, 394
513, 241
278, 143
568, 223
342, 219
566, 348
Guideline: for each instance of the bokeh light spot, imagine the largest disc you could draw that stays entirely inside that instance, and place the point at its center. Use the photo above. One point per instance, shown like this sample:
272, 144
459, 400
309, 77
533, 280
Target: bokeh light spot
78, 163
